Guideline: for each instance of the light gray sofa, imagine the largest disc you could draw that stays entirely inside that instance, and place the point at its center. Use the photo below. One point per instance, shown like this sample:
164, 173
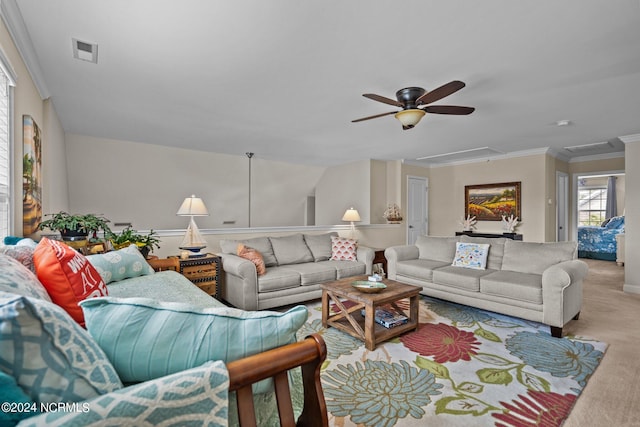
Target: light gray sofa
535, 281
296, 265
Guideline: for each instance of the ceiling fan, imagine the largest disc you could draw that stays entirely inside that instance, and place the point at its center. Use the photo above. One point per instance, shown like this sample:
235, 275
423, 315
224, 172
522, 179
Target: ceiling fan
411, 98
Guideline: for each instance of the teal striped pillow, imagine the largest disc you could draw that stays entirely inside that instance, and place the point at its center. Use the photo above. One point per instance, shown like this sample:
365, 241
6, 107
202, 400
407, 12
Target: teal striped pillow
145, 339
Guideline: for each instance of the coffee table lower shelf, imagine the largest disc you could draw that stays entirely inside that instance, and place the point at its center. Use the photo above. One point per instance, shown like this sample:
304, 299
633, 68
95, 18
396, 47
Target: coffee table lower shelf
380, 333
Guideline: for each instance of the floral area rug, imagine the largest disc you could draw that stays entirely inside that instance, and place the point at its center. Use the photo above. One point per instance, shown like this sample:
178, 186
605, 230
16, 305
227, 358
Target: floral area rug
462, 367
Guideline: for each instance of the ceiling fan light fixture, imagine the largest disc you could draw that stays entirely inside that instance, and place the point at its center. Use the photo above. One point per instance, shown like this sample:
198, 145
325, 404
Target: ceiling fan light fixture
410, 117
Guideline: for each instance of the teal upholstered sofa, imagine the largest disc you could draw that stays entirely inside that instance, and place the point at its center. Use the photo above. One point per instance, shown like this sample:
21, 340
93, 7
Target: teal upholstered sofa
127, 367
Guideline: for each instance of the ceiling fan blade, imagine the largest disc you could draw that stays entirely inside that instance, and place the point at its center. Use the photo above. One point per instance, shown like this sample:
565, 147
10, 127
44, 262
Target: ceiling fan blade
382, 99
373, 117
449, 109
441, 92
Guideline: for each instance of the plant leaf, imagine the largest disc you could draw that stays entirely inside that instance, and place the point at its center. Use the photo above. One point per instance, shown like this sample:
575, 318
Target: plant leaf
470, 387
533, 382
495, 376
496, 323
488, 335
435, 368
492, 359
461, 405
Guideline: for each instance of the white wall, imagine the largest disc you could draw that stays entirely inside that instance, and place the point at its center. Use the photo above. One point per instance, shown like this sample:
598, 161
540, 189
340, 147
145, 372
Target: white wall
342, 187
144, 184
632, 218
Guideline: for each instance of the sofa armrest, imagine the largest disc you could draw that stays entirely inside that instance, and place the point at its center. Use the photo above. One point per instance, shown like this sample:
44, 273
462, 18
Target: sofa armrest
562, 291
240, 282
399, 253
199, 394
366, 255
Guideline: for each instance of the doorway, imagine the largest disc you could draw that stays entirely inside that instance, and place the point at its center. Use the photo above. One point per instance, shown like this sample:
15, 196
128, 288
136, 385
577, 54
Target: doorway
562, 205
417, 204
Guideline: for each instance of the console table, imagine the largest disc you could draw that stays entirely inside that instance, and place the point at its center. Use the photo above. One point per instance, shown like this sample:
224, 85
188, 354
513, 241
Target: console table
512, 236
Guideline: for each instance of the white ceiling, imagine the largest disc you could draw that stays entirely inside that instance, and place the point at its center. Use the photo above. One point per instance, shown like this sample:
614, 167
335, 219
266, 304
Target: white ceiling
284, 78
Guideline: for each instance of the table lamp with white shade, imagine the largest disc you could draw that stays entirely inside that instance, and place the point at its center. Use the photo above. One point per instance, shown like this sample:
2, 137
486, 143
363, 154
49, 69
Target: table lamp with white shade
193, 240
352, 216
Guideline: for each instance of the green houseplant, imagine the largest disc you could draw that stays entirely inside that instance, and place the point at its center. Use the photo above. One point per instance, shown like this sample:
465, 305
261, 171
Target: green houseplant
145, 242
75, 227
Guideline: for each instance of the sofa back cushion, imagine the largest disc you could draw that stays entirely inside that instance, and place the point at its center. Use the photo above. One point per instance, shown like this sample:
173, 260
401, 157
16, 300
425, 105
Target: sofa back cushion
290, 249
436, 248
534, 258
320, 245
18, 279
261, 244
496, 249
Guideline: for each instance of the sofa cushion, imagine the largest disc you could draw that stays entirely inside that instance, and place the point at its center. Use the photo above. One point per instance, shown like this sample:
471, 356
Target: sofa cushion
24, 254
51, 357
343, 249
496, 249
463, 278
419, 268
18, 279
261, 244
122, 264
277, 278
147, 339
509, 284
346, 268
471, 255
320, 245
312, 273
195, 397
290, 249
67, 275
436, 248
534, 258
254, 256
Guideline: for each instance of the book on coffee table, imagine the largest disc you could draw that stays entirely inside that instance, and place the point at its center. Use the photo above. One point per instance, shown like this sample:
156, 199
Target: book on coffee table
388, 318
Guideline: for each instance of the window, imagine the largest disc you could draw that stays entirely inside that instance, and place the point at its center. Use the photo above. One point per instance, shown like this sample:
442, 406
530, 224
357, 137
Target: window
6, 82
592, 206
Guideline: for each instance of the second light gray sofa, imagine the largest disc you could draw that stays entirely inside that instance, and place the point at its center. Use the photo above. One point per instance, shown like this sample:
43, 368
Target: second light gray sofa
296, 265
534, 281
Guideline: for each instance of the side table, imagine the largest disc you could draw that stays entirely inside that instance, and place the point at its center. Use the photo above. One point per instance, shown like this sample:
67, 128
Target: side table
204, 271
379, 258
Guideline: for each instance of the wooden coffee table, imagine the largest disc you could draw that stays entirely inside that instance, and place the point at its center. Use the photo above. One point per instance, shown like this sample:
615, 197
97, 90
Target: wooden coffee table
351, 321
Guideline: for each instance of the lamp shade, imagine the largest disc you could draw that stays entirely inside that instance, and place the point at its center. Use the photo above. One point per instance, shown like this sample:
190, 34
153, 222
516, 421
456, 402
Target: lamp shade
193, 206
351, 215
409, 118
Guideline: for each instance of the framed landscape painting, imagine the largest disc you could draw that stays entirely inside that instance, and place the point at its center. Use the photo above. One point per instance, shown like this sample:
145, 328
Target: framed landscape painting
488, 202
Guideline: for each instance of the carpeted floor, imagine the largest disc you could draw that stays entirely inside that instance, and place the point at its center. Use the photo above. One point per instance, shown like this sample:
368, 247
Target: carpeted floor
612, 396
491, 363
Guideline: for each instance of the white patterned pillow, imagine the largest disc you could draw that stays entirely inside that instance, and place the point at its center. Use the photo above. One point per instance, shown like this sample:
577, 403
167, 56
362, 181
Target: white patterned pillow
51, 357
471, 255
197, 396
15, 278
121, 264
343, 249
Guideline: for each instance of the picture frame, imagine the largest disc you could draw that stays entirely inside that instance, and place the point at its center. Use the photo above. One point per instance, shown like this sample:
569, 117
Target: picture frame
489, 202
31, 176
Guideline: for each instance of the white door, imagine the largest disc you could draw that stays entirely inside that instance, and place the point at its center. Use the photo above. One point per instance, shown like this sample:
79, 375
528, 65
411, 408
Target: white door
417, 200
562, 204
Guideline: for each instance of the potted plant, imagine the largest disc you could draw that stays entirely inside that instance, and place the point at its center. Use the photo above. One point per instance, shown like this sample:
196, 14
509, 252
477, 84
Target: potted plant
76, 227
145, 242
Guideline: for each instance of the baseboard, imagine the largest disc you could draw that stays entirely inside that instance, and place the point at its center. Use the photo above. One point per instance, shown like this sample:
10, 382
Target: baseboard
631, 289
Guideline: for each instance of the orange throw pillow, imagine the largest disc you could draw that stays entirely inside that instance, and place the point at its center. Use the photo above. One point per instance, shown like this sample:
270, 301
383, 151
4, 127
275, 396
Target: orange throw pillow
252, 255
67, 275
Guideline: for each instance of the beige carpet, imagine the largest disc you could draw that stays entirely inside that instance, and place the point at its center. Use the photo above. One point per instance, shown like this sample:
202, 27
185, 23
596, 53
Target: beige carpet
612, 396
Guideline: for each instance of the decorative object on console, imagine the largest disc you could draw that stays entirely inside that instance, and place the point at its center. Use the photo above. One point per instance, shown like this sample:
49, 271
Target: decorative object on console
144, 242
488, 202
352, 215
193, 240
392, 214
509, 224
469, 223
76, 228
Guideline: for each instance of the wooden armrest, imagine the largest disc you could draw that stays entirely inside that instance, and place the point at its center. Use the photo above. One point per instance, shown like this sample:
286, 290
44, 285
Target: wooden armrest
309, 354
162, 264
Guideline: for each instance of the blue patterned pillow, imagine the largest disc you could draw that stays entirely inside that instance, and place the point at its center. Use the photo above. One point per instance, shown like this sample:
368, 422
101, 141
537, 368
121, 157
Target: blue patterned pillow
11, 393
15, 278
146, 339
197, 396
121, 264
471, 255
51, 357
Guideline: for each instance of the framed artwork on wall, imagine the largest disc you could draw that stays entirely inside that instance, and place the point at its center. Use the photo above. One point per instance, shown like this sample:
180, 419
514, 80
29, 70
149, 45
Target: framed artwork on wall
488, 202
31, 176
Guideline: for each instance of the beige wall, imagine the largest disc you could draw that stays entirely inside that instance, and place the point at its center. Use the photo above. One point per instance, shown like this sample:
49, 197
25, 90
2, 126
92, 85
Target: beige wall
342, 187
27, 101
632, 219
144, 184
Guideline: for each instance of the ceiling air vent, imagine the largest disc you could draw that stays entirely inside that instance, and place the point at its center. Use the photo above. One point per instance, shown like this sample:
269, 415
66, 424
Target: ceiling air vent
85, 51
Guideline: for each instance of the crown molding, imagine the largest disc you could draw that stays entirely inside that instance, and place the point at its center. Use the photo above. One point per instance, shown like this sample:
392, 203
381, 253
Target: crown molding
15, 24
597, 157
628, 139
